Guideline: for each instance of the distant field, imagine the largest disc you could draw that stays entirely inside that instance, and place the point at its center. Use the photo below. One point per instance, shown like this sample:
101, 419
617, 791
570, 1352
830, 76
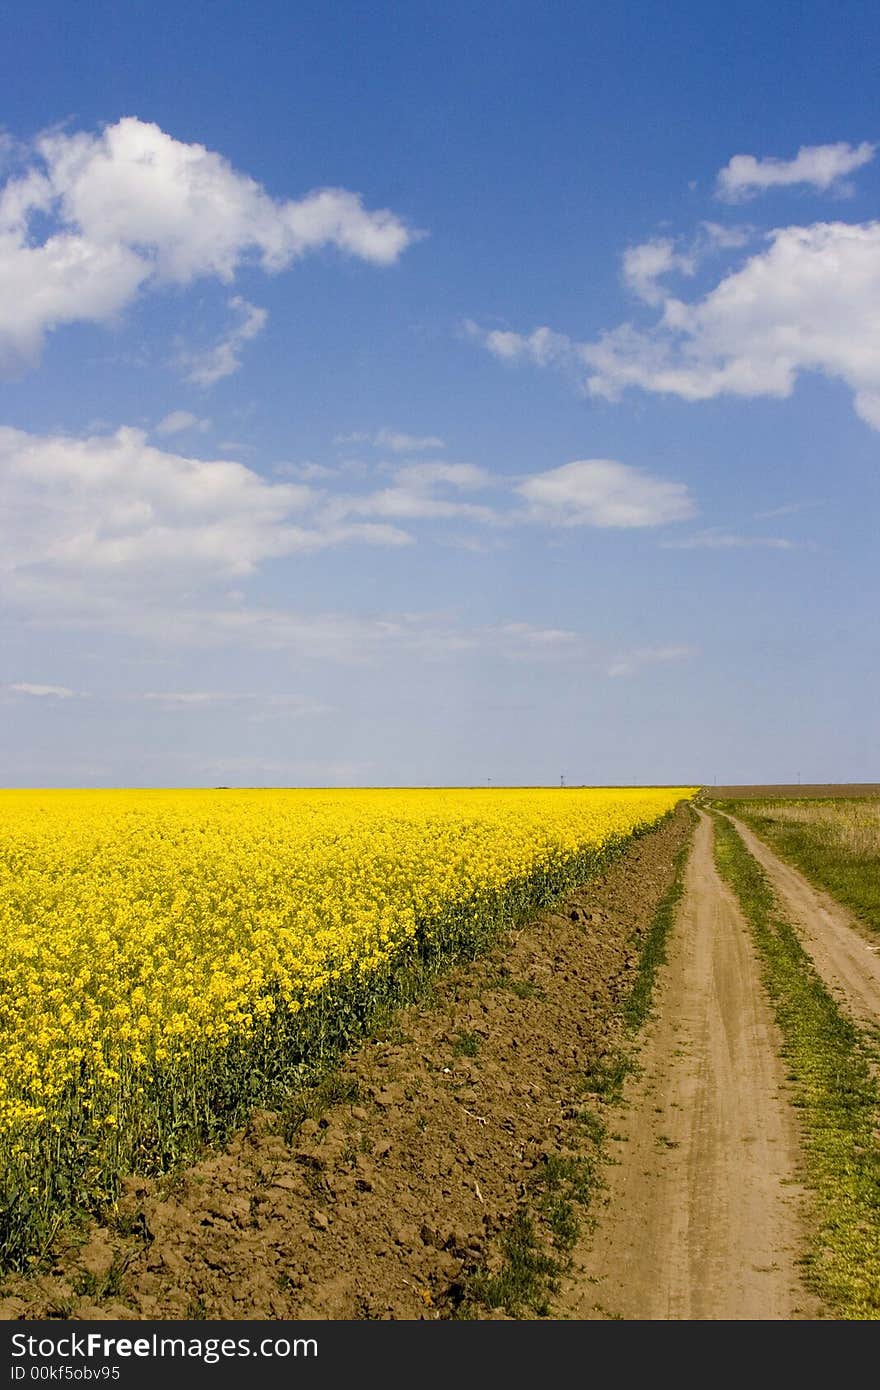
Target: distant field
810, 791
835, 840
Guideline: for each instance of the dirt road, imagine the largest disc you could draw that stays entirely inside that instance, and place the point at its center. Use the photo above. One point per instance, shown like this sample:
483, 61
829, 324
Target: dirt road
704, 1213
847, 962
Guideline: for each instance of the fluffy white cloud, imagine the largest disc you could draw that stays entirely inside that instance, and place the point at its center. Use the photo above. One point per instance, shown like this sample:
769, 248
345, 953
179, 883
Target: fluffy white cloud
112, 514
543, 347
180, 420
602, 492
414, 495
713, 234
204, 368
643, 265
465, 477
111, 533
116, 506
821, 166
809, 302
132, 206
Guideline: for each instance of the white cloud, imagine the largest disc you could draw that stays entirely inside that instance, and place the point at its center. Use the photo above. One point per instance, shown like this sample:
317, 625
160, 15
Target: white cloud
644, 264
525, 642
821, 166
465, 477
413, 495
400, 443
602, 492
725, 540
395, 440
118, 507
788, 509
42, 692
631, 662
867, 405
725, 238
180, 420
112, 533
543, 347
205, 368
189, 697
810, 302
133, 206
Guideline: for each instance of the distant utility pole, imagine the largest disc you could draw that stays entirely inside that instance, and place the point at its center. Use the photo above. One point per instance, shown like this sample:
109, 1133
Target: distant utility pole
561, 780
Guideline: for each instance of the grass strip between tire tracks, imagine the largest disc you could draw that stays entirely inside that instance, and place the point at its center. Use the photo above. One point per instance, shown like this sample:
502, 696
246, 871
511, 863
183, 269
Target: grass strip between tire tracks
538, 1242
836, 1095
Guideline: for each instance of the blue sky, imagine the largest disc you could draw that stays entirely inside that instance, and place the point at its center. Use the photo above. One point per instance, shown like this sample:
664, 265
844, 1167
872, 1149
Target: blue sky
417, 394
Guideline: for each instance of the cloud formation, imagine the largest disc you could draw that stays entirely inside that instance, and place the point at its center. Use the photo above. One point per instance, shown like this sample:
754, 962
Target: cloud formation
602, 492
133, 207
112, 533
205, 368
395, 440
421, 491
643, 265
809, 302
714, 539
42, 692
115, 505
178, 421
631, 662
823, 167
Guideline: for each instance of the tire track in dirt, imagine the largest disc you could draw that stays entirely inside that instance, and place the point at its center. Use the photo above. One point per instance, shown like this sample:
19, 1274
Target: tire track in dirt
848, 964
704, 1217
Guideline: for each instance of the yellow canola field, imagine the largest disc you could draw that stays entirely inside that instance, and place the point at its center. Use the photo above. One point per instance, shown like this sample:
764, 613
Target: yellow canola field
137, 927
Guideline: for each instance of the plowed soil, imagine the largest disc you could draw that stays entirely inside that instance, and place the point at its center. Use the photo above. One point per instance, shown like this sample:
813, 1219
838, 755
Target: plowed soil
382, 1204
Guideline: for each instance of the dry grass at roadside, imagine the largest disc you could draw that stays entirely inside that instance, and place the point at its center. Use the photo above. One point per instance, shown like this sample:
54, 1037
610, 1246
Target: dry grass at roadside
836, 843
